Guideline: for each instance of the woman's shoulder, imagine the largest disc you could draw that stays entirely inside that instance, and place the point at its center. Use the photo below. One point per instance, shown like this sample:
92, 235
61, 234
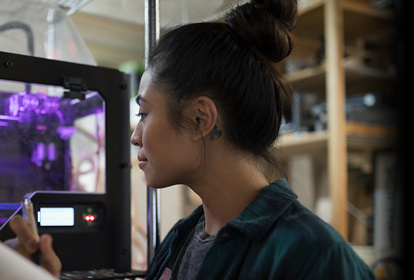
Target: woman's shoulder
302, 238
299, 226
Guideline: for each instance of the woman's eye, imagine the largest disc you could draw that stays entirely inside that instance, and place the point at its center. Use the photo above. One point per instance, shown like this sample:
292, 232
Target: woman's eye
141, 116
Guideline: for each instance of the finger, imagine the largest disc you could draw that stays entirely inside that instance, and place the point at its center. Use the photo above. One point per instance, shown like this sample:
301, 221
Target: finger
24, 234
51, 261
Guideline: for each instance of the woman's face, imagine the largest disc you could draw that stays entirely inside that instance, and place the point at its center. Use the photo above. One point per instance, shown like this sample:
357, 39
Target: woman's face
166, 156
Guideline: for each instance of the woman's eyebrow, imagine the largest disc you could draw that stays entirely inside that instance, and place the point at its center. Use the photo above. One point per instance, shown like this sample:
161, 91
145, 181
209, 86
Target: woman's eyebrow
139, 97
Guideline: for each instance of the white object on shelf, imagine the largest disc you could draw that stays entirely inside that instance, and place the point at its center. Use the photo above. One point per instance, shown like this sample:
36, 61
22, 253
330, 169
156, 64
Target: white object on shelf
366, 253
387, 204
302, 181
323, 209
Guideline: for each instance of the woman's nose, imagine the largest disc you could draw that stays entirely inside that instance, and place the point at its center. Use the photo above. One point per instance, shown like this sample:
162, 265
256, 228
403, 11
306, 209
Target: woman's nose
136, 137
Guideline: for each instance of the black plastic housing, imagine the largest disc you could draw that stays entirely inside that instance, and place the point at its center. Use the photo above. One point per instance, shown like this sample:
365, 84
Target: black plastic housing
110, 246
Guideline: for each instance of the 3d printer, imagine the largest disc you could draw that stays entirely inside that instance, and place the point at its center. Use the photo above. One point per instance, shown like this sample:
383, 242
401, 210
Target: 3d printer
64, 142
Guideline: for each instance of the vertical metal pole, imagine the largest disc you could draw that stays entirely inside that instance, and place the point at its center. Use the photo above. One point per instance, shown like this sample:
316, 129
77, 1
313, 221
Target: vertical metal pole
152, 26
153, 212
152, 33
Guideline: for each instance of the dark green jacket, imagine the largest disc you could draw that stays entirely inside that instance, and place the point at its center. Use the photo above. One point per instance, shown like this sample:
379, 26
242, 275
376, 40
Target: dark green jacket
274, 237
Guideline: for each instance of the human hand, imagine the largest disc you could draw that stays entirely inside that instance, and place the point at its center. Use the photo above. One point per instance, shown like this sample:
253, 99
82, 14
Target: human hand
25, 243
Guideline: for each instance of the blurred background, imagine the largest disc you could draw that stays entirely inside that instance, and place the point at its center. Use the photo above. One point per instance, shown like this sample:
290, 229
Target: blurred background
338, 142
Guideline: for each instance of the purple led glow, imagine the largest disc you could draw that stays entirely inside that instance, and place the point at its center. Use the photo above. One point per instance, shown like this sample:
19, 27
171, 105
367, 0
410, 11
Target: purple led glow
65, 132
41, 127
13, 105
30, 102
60, 116
41, 95
51, 104
2, 117
42, 98
41, 151
21, 95
51, 154
38, 154
4, 123
39, 103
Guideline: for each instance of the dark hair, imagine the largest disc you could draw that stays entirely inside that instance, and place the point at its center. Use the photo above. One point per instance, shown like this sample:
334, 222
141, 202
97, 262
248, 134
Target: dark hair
233, 64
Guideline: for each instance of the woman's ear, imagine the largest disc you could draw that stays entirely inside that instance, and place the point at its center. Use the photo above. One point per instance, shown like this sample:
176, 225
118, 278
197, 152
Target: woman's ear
205, 117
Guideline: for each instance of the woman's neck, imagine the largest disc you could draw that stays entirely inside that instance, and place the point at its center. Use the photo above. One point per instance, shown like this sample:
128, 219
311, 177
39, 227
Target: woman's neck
229, 183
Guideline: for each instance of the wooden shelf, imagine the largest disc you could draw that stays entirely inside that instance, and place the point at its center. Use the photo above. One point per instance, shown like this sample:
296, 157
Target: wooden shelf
358, 24
360, 136
309, 6
365, 8
367, 253
370, 130
302, 143
370, 137
345, 26
310, 23
360, 18
308, 78
357, 77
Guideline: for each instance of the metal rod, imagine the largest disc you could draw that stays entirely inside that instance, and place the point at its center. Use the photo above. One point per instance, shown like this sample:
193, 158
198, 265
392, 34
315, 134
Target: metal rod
152, 26
153, 215
152, 33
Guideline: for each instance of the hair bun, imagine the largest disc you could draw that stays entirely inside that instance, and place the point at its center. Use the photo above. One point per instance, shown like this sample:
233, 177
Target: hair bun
265, 25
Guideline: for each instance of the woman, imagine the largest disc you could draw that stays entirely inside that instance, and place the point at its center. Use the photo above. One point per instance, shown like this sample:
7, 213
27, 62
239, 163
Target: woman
211, 104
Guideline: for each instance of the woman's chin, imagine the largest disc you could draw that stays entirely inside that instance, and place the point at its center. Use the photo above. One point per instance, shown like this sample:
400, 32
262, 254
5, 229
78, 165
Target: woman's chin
158, 185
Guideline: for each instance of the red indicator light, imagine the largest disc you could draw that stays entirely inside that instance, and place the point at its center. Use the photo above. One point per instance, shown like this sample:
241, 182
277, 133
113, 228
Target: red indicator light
89, 218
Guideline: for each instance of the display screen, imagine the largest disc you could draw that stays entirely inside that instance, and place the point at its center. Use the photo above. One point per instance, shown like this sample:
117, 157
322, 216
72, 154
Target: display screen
57, 216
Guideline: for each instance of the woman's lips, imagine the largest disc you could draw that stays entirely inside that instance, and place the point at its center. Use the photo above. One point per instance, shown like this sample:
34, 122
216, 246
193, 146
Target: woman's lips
142, 162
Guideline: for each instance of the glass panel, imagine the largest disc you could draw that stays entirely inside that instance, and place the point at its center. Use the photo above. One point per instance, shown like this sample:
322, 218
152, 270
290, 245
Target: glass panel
48, 142
41, 29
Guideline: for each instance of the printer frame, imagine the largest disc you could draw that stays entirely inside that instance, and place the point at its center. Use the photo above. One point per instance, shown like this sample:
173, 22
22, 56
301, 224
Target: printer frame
110, 246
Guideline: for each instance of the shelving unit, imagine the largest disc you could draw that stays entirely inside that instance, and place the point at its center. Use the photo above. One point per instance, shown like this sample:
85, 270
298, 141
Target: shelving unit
314, 78
360, 136
339, 30
359, 18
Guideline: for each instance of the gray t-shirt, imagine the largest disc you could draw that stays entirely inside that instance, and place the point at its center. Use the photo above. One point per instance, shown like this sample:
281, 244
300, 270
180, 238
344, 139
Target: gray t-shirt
188, 260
